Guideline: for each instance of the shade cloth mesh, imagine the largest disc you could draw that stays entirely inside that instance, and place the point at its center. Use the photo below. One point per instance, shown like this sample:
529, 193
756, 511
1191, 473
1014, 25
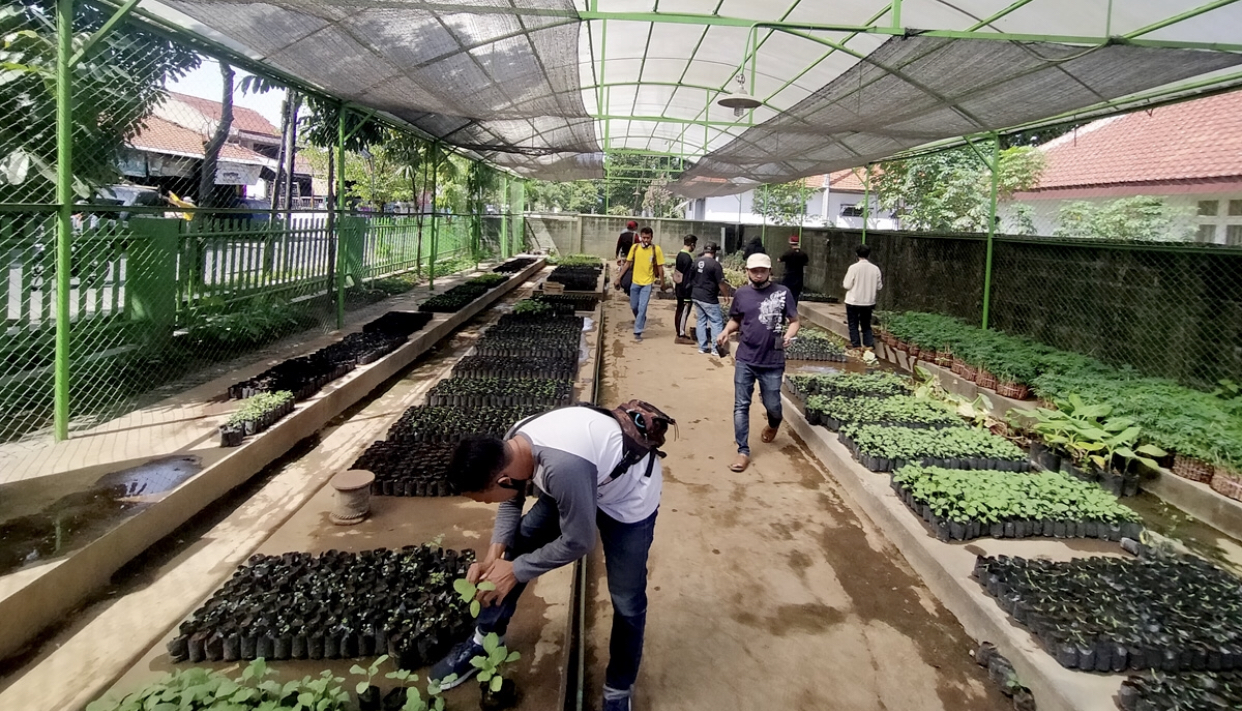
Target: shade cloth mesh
914, 90
502, 81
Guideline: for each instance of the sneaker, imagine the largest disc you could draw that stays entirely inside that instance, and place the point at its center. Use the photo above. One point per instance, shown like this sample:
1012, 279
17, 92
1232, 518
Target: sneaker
457, 661
703, 352
616, 701
638, 337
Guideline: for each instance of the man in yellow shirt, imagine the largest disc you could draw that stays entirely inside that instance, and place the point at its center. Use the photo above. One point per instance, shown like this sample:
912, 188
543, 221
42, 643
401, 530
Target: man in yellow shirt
647, 261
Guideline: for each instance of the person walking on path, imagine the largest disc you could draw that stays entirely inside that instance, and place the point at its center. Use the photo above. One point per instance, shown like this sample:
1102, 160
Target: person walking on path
759, 311
795, 261
626, 241
647, 261
861, 283
754, 246
707, 285
681, 287
568, 461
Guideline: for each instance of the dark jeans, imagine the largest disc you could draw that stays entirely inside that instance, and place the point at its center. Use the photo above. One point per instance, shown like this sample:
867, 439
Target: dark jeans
744, 377
626, 546
795, 287
684, 307
860, 317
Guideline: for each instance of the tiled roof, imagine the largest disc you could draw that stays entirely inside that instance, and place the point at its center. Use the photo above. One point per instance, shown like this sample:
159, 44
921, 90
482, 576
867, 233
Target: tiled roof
160, 136
244, 119
849, 179
1193, 141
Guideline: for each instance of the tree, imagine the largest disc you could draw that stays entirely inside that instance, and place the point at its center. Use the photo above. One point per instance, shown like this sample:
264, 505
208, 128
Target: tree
660, 202
1141, 217
950, 190
784, 203
581, 196
115, 88
211, 150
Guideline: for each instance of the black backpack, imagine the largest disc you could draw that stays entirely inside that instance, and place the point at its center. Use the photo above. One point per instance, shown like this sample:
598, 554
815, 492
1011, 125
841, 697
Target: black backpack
644, 428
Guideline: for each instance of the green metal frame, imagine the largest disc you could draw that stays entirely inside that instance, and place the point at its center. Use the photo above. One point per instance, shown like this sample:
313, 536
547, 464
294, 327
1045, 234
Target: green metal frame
64, 211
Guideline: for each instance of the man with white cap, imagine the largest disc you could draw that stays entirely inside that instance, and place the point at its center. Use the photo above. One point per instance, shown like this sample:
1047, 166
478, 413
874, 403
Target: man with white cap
759, 315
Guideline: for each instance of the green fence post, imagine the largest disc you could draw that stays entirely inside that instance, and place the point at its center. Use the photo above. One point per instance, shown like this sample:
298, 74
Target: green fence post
64, 211
866, 202
435, 217
987, 267
519, 219
352, 241
504, 218
151, 277
340, 214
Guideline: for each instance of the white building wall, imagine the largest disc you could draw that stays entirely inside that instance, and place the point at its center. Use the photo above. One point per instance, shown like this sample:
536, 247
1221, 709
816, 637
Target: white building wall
823, 209
1223, 227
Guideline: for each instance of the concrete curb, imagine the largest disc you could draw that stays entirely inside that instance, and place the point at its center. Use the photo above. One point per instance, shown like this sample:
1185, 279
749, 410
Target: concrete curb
946, 570
49, 597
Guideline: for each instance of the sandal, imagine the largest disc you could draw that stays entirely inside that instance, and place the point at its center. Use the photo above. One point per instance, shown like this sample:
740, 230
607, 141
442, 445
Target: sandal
768, 434
740, 464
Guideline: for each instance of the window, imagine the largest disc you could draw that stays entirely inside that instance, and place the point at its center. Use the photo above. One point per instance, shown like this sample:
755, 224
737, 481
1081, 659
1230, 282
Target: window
1207, 233
1233, 235
1235, 208
851, 211
1209, 208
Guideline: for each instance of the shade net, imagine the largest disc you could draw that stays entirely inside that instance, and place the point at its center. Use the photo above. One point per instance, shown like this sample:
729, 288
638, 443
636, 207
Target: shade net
500, 78
915, 90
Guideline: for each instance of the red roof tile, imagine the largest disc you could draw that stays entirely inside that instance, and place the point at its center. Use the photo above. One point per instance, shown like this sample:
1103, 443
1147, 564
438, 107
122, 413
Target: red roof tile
244, 119
849, 179
160, 136
1197, 140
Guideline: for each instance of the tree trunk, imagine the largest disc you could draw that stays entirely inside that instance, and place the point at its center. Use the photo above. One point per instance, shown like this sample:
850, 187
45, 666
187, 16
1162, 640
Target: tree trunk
211, 151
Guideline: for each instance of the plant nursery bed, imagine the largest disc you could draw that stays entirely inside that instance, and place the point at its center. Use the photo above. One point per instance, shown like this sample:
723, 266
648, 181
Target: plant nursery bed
45, 599
516, 264
946, 569
883, 449
332, 605
1172, 614
849, 385
812, 344
895, 411
966, 504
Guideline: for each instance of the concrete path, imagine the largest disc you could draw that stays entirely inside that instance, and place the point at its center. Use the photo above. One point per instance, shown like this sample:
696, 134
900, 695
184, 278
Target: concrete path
768, 589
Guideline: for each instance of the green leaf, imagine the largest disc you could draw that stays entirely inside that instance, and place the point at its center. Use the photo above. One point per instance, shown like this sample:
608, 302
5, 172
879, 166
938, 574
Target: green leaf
491, 642
362, 686
355, 669
475, 608
497, 684
464, 588
513, 657
487, 585
485, 675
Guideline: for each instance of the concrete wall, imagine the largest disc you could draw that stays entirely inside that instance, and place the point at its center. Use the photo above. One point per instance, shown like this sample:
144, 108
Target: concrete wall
823, 209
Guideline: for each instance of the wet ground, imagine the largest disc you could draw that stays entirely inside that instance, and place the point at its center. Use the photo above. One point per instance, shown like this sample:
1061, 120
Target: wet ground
768, 589
1197, 536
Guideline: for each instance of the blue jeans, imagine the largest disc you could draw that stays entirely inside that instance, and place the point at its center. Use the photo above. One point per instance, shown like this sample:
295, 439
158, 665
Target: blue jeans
744, 377
706, 315
639, 298
626, 546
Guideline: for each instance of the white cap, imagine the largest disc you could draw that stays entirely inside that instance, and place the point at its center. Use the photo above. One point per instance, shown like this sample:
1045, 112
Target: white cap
759, 261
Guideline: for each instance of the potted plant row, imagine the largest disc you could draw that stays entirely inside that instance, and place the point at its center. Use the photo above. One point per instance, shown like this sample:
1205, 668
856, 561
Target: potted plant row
895, 411
514, 265
812, 297
493, 391
1172, 614
566, 304
337, 604
576, 277
430, 424
408, 469
462, 295
305, 375
961, 505
398, 324
1206, 691
848, 385
813, 344
558, 368
883, 449
254, 415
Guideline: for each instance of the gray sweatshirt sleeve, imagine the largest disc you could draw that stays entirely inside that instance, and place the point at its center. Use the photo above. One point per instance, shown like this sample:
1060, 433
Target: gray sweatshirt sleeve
508, 518
569, 480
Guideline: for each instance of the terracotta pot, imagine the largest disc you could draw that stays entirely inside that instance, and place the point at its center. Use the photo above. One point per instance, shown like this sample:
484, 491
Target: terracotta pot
1017, 391
984, 379
1226, 483
888, 338
1194, 470
903, 346
968, 373
957, 366
915, 350
929, 356
944, 359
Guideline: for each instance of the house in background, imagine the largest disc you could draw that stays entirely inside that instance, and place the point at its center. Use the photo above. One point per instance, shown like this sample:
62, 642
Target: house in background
166, 152
1188, 154
833, 200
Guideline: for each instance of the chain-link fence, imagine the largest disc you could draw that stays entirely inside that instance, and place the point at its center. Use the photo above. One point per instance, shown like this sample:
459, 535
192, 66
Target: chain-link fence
208, 219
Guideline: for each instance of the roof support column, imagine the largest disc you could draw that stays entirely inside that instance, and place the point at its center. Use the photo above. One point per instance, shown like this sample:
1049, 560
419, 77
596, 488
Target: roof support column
866, 202
64, 211
504, 217
340, 213
435, 215
987, 266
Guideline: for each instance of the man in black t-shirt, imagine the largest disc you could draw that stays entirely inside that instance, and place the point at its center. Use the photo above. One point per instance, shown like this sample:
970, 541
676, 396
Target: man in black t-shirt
626, 240
707, 285
681, 284
795, 261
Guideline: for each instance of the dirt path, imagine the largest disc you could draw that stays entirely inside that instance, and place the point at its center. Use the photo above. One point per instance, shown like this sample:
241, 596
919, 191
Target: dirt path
767, 589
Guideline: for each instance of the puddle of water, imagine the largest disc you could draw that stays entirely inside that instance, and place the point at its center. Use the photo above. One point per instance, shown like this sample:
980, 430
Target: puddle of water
79, 517
1198, 537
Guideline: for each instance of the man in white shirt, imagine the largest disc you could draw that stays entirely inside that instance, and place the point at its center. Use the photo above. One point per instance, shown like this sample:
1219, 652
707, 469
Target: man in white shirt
565, 460
862, 281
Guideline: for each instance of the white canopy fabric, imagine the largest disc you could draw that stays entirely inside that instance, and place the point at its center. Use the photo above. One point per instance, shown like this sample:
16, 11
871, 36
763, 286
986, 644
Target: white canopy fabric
546, 86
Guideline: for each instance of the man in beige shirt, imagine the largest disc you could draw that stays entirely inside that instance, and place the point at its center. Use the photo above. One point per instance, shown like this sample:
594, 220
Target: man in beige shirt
862, 281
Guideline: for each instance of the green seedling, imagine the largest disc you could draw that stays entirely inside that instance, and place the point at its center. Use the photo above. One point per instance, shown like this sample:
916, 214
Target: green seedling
469, 593
490, 664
